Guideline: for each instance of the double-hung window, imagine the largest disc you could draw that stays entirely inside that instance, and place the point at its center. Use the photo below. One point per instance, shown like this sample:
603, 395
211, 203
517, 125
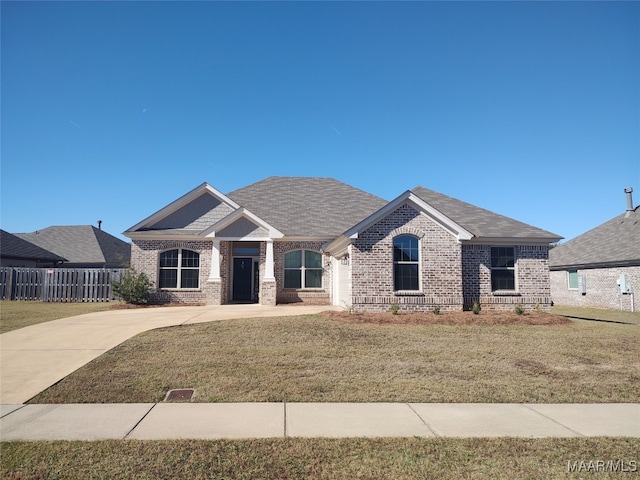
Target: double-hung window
179, 268
503, 269
302, 269
405, 263
572, 278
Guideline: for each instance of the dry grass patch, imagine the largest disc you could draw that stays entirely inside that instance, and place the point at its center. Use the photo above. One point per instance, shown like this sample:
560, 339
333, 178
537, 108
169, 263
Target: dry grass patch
319, 359
334, 459
14, 315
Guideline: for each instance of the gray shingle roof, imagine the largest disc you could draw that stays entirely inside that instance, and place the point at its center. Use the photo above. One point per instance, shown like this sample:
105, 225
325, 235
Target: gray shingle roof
81, 245
614, 243
480, 222
305, 206
15, 247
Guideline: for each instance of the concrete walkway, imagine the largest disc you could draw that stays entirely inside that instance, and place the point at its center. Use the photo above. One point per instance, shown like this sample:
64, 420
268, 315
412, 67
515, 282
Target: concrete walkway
335, 420
34, 358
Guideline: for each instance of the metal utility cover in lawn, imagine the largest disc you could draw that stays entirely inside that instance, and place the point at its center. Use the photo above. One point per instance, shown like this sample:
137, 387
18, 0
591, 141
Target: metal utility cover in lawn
179, 395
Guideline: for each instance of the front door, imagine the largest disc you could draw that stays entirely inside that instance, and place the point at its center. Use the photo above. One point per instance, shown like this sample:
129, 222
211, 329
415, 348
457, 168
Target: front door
243, 279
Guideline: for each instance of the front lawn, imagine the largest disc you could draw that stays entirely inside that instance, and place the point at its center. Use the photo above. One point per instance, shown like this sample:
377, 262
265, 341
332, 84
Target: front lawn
14, 314
331, 459
350, 359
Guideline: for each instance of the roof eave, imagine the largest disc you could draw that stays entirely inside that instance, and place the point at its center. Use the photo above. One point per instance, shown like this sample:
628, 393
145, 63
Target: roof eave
593, 265
151, 235
513, 240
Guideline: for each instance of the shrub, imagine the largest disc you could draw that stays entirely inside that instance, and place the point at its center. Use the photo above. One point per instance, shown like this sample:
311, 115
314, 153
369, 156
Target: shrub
132, 287
519, 309
394, 308
436, 310
476, 308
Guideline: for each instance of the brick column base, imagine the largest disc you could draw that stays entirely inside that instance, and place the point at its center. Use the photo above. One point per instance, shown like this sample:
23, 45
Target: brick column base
214, 288
268, 293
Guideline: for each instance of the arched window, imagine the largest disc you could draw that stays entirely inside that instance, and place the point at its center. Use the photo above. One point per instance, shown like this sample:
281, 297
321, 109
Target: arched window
179, 268
302, 269
405, 263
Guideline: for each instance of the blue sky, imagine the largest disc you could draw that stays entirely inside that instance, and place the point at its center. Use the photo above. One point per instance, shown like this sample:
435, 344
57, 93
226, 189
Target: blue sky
111, 110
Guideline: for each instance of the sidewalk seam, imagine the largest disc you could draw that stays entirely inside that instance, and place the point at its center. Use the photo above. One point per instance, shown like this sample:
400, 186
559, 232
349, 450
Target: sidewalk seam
552, 419
429, 427
139, 421
285, 418
13, 411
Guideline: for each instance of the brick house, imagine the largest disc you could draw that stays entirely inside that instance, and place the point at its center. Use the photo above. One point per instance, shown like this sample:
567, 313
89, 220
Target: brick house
601, 267
320, 241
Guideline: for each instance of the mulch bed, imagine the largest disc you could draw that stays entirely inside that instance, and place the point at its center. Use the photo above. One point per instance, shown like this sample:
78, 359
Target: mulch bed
449, 318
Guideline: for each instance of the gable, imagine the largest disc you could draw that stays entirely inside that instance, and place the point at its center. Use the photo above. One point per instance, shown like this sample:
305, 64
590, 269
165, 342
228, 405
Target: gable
196, 215
243, 228
190, 214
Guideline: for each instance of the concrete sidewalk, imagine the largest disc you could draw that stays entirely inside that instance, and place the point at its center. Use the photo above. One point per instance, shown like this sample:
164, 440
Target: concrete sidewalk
335, 420
34, 358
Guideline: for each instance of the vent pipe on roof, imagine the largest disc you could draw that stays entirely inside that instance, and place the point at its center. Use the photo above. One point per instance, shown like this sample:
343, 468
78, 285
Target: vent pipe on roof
99, 224
628, 191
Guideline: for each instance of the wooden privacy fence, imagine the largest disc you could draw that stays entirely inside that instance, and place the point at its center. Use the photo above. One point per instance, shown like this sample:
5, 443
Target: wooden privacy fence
58, 284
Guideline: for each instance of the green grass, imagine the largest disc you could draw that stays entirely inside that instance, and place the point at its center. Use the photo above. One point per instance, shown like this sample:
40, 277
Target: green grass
14, 315
315, 359
332, 459
597, 314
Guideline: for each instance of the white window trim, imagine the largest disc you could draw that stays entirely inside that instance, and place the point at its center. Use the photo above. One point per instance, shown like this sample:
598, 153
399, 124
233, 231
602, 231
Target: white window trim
418, 262
569, 287
303, 268
179, 268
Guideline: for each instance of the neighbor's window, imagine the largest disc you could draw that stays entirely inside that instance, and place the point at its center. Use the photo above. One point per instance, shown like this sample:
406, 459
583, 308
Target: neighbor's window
573, 279
405, 263
179, 268
503, 268
302, 269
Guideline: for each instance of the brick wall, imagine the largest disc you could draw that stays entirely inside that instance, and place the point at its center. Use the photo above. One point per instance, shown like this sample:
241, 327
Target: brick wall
601, 288
144, 259
372, 265
533, 288
313, 296
452, 275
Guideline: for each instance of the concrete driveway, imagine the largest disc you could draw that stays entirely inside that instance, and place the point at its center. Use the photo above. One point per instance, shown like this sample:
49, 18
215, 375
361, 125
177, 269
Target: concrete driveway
34, 358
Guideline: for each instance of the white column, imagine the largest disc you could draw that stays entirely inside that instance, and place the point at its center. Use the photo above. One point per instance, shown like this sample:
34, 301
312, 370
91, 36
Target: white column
269, 271
214, 275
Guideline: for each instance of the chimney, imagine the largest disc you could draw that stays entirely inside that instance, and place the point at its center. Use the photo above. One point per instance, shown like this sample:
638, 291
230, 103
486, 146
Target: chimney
100, 223
628, 191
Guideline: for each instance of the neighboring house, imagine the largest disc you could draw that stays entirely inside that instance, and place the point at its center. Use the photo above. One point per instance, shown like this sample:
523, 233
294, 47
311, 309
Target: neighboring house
317, 240
600, 268
82, 246
16, 252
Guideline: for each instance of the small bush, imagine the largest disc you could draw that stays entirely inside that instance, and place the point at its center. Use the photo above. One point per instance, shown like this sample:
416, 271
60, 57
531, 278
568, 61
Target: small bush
476, 308
436, 310
519, 309
132, 287
394, 308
